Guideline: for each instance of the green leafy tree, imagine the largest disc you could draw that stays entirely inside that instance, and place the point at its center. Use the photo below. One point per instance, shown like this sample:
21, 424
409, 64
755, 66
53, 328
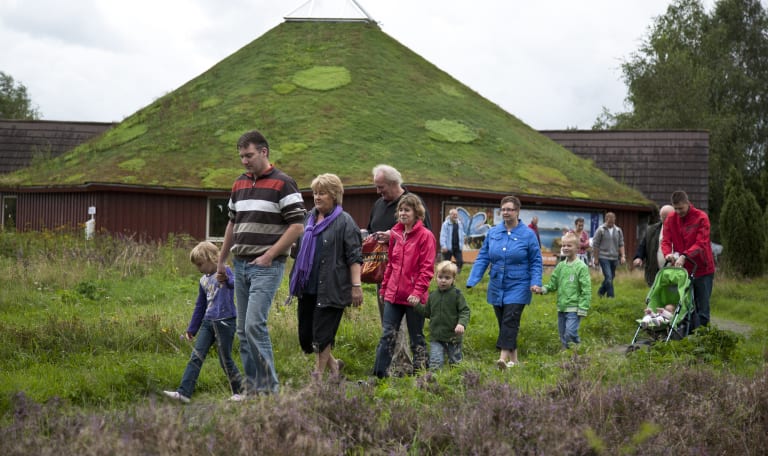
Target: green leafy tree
705, 71
14, 100
744, 229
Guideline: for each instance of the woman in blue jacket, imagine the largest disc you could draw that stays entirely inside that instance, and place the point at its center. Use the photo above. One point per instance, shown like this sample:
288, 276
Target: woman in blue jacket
512, 251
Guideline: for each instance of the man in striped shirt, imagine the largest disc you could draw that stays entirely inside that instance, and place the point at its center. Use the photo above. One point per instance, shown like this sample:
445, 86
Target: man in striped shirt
266, 216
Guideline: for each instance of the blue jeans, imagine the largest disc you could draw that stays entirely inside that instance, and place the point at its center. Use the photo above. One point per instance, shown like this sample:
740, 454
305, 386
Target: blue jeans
255, 288
568, 326
222, 332
609, 272
438, 351
702, 290
393, 315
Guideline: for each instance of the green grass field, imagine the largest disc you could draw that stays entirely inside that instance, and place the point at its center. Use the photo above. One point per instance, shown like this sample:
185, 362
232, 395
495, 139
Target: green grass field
91, 329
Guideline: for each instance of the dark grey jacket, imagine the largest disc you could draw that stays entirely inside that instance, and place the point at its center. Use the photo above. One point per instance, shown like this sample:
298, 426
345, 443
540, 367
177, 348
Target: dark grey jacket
341, 248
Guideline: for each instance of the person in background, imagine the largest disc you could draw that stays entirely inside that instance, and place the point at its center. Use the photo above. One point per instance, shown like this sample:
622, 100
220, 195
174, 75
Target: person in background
266, 216
214, 320
410, 267
583, 240
608, 252
685, 242
326, 273
448, 315
534, 225
573, 285
512, 252
648, 253
452, 238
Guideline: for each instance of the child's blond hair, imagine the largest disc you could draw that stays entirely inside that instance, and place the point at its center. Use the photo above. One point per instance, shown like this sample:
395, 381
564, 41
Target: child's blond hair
569, 236
203, 252
447, 267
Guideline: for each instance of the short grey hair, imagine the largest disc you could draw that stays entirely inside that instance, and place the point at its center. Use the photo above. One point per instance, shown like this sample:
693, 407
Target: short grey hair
389, 173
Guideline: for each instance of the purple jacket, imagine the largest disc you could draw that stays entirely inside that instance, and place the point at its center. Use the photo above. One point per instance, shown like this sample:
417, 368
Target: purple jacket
215, 301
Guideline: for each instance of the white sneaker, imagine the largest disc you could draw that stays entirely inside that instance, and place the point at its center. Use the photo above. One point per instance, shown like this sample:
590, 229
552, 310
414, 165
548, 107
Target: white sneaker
176, 396
237, 397
511, 364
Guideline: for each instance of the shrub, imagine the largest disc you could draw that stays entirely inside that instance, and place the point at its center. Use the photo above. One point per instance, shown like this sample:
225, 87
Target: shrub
743, 228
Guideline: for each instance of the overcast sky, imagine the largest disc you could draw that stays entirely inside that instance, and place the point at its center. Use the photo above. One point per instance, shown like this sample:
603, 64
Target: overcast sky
554, 64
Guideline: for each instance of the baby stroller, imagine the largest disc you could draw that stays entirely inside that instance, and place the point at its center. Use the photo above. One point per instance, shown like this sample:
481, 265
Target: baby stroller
672, 285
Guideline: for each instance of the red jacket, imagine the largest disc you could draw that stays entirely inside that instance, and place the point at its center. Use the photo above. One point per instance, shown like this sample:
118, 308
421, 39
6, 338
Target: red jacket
689, 236
410, 264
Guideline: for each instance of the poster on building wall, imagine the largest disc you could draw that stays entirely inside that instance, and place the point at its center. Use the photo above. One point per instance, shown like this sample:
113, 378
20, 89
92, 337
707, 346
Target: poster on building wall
553, 224
478, 218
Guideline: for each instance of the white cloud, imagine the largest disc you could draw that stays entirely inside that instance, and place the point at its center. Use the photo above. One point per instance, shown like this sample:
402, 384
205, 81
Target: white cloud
552, 64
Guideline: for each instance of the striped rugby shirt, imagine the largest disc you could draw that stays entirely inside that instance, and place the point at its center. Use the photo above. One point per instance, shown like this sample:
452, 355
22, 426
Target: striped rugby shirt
261, 210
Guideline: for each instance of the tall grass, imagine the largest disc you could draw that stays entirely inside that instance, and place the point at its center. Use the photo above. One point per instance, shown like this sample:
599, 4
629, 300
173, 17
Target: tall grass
89, 337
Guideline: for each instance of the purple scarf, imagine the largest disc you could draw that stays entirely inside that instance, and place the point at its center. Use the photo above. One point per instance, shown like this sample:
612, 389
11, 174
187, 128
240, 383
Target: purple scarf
303, 265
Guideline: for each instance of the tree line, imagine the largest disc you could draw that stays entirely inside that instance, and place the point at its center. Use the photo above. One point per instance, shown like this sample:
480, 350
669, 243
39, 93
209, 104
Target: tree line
15, 102
705, 71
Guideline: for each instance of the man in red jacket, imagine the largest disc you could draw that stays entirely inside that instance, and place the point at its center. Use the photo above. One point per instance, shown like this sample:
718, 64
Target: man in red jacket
685, 242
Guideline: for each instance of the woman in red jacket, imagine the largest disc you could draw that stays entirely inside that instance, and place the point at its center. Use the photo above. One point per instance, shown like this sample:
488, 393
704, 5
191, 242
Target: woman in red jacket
410, 267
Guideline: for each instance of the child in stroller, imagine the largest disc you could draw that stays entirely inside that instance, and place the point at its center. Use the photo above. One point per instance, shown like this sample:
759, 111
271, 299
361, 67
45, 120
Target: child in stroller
672, 285
658, 318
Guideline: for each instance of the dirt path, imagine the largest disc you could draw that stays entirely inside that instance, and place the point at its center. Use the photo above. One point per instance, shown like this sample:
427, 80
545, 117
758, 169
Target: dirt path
734, 326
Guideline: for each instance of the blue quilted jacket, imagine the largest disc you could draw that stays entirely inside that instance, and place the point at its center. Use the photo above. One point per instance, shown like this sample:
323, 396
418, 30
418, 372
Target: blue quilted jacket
514, 259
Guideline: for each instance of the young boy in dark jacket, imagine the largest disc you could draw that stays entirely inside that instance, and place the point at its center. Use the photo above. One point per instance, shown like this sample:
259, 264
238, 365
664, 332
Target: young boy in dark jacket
448, 315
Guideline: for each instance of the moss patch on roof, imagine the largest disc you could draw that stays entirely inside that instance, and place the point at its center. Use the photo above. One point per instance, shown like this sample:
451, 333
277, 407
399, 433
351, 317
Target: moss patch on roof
329, 97
322, 78
450, 131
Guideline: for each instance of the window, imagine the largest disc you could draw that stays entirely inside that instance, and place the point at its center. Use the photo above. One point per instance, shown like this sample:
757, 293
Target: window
217, 218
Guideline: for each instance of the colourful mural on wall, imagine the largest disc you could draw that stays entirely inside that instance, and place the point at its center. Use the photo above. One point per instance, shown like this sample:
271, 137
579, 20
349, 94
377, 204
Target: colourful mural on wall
477, 220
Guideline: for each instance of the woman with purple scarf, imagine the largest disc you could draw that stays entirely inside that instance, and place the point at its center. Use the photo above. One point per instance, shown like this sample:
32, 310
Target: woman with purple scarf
326, 272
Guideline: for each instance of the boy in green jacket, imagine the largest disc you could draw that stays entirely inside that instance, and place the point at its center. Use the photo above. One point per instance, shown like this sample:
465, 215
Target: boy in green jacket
573, 285
448, 315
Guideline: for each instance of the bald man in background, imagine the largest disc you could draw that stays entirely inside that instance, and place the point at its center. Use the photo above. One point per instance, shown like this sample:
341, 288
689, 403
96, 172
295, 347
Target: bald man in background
648, 253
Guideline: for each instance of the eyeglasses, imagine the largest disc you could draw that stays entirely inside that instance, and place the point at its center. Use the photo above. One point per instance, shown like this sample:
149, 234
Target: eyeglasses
508, 209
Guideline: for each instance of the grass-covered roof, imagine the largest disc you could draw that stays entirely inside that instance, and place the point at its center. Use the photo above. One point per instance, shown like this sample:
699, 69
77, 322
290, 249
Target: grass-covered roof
330, 97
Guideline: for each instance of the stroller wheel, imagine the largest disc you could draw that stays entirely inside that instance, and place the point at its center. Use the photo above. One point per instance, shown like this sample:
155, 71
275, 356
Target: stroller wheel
632, 348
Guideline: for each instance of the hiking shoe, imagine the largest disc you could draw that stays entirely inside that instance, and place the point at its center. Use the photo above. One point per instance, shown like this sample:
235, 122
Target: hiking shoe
237, 397
501, 364
175, 395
